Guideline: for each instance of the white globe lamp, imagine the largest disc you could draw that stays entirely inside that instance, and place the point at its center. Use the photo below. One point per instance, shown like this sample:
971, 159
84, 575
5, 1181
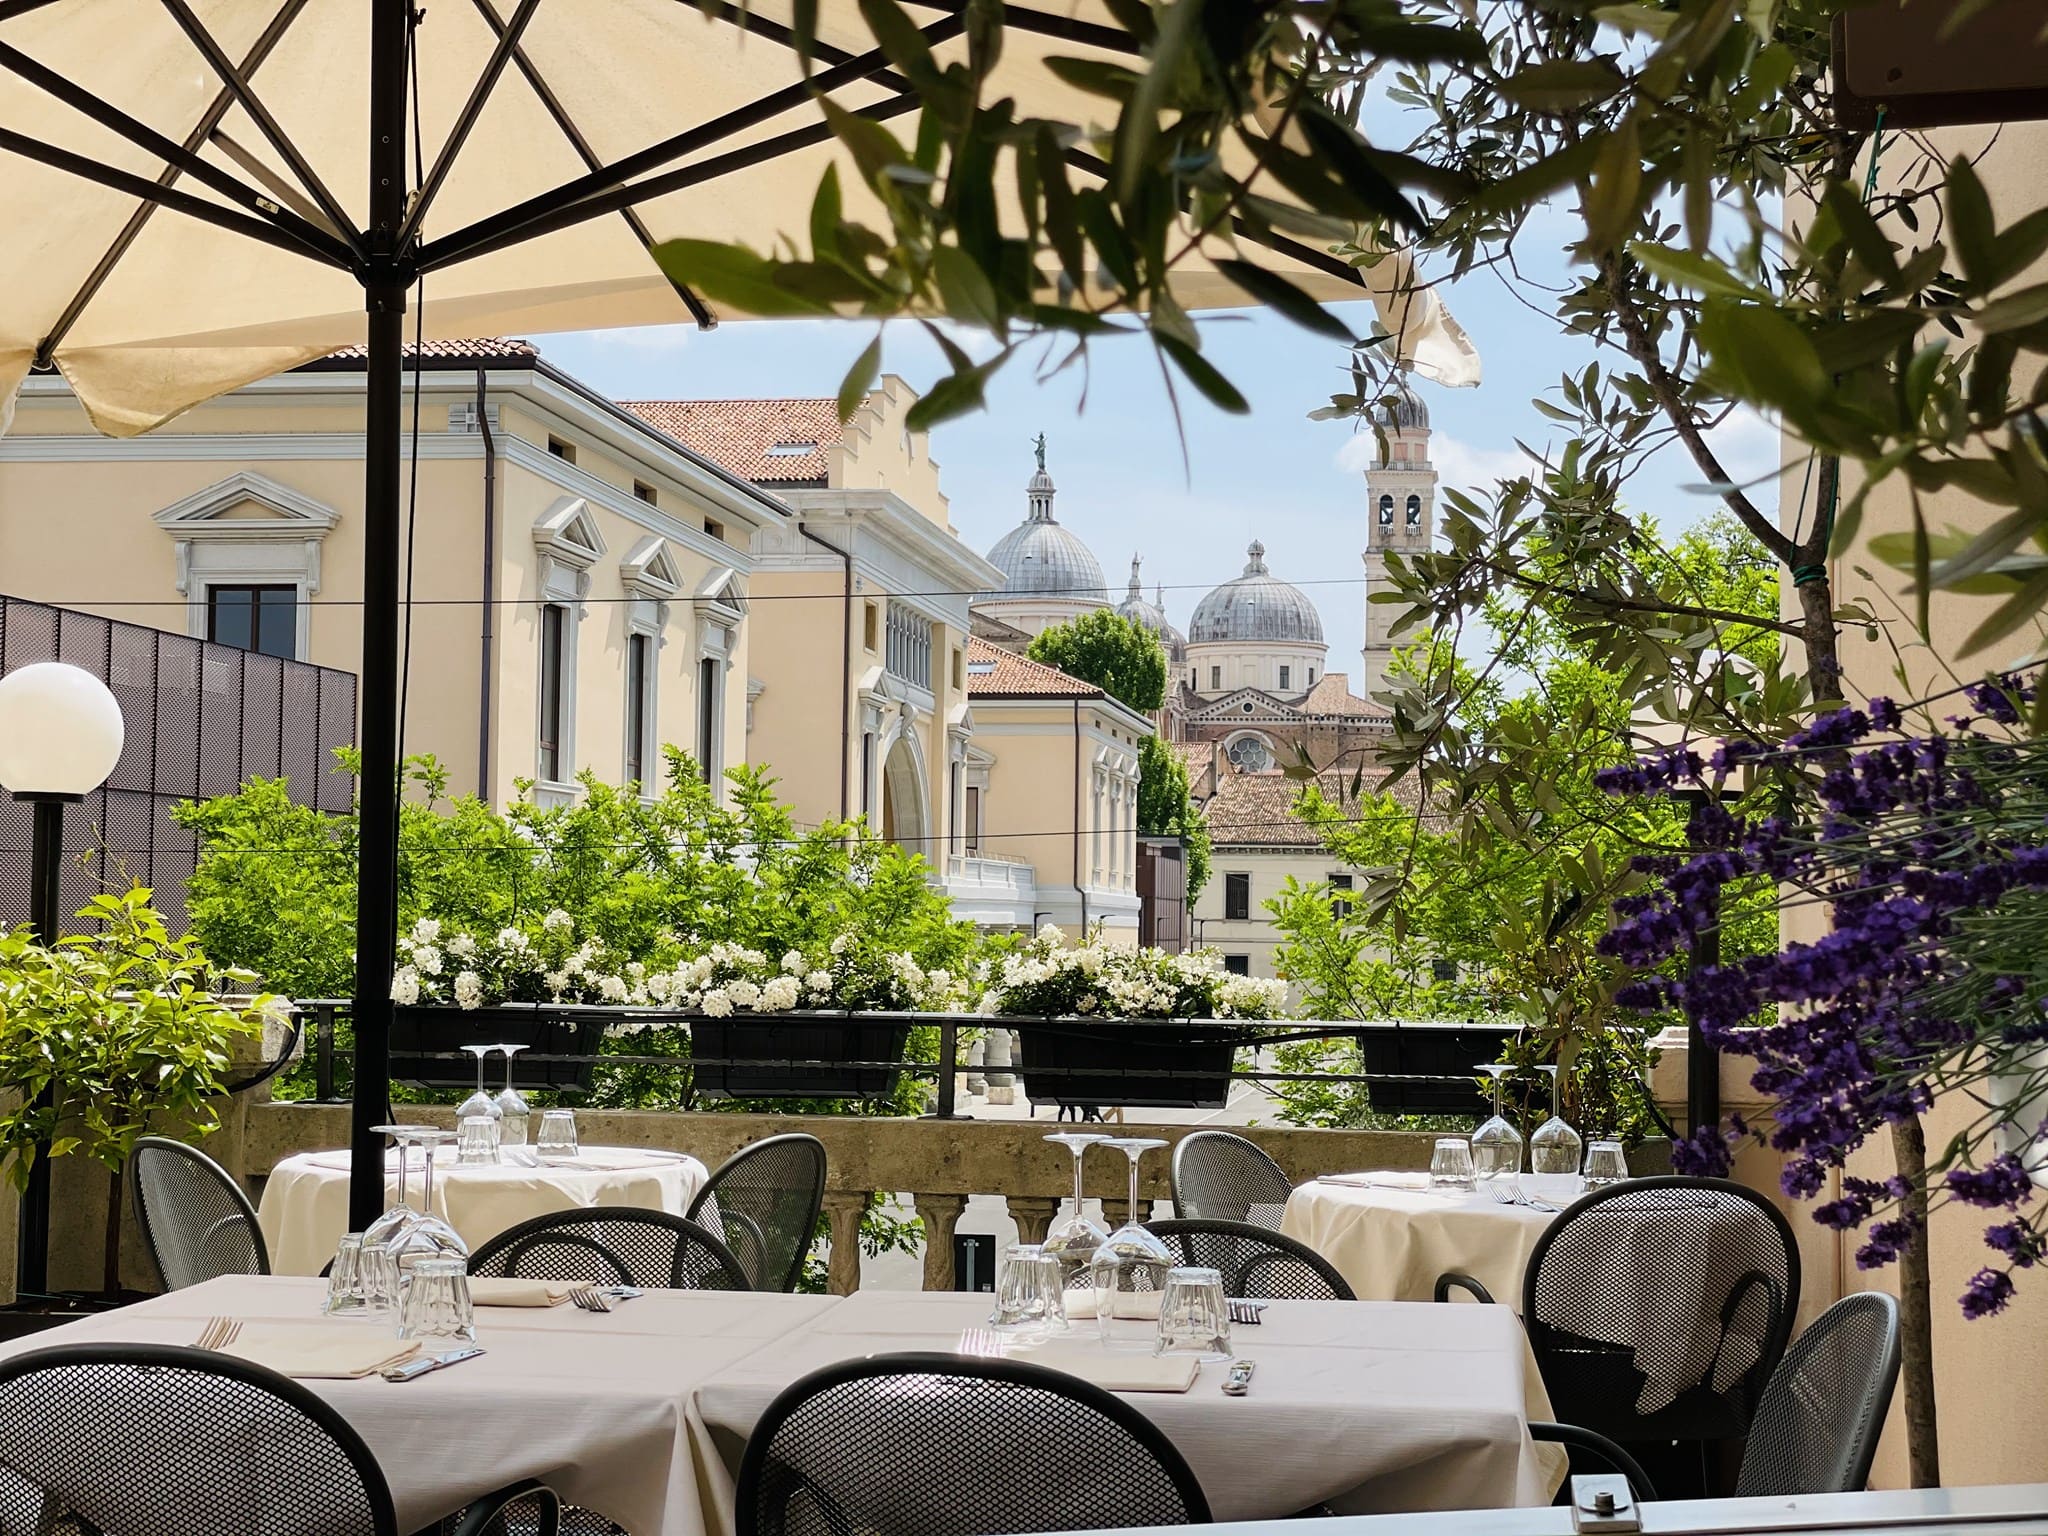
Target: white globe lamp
60, 736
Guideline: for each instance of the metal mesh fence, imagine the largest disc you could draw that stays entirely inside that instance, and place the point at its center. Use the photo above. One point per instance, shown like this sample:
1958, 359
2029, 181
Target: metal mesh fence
200, 718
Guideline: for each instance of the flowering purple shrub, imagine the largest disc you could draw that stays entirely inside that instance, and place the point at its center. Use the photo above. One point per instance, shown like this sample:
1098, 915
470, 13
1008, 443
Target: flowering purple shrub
1931, 853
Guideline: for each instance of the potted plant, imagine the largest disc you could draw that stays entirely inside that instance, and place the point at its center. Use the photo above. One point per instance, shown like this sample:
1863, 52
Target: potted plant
1085, 1020
109, 1035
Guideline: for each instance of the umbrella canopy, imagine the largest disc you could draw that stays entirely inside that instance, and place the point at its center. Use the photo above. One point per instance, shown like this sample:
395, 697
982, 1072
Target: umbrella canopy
200, 193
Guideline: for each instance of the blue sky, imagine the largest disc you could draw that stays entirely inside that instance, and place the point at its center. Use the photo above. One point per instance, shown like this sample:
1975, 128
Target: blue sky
1273, 475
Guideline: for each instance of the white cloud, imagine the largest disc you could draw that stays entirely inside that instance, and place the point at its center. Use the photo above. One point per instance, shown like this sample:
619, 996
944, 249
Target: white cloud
1459, 465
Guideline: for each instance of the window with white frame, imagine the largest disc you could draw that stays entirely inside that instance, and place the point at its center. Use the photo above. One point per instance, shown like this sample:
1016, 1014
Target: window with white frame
248, 562
554, 627
566, 539
709, 671
639, 707
651, 581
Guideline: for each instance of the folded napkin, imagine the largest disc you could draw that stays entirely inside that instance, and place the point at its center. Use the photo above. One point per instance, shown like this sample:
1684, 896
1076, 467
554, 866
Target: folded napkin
1115, 1372
1416, 1182
1139, 1306
313, 1352
487, 1291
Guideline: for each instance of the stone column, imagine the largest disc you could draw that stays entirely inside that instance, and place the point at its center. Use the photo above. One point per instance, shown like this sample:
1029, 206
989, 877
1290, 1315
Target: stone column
1033, 1215
844, 1208
941, 1214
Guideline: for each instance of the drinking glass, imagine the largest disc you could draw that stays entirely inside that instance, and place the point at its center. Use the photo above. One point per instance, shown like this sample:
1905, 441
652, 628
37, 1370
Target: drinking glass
480, 1102
1131, 1242
1109, 1272
513, 1110
1029, 1301
345, 1278
1450, 1166
437, 1304
1605, 1165
1193, 1317
1074, 1241
1555, 1147
556, 1142
426, 1236
1497, 1145
395, 1219
476, 1141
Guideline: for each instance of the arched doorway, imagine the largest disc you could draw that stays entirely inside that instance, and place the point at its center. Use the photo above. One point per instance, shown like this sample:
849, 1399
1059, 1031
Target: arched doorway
906, 819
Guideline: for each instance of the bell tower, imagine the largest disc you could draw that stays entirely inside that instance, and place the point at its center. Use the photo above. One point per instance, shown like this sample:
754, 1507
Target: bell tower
1400, 495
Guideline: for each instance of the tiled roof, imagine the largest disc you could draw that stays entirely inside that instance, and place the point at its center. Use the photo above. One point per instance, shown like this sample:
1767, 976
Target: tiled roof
984, 625
502, 351
771, 442
995, 673
1332, 695
1257, 809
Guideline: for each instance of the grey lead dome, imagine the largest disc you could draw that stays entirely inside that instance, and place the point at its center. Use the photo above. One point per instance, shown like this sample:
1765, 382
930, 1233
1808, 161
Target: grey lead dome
1038, 556
1404, 409
1256, 606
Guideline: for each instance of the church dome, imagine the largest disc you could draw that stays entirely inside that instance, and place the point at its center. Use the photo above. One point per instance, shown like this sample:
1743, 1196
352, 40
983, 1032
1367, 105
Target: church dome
1039, 557
1151, 613
1403, 410
1256, 606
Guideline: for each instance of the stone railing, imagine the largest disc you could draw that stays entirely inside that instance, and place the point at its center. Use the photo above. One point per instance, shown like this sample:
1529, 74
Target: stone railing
937, 1164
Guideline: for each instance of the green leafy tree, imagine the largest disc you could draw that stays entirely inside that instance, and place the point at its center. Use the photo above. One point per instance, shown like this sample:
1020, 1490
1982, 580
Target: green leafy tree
1118, 655
1167, 809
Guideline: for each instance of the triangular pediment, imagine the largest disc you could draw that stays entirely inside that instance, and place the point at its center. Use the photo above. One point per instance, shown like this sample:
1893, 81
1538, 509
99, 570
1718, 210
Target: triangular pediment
722, 590
568, 531
1231, 706
649, 570
248, 505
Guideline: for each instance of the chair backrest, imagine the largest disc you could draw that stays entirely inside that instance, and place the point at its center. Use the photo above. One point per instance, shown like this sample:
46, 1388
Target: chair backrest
1817, 1424
1256, 1263
196, 1222
1657, 1308
942, 1445
613, 1245
1217, 1176
764, 1201
159, 1440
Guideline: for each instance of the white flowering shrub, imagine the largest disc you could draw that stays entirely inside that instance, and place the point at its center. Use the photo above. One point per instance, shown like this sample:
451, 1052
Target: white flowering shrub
1050, 978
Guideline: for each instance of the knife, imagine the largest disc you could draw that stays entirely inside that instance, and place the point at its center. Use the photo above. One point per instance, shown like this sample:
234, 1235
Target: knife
1239, 1381
426, 1363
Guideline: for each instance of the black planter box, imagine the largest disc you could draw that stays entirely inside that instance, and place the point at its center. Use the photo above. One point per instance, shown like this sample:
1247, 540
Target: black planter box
1444, 1050
421, 1032
1108, 1060
817, 1050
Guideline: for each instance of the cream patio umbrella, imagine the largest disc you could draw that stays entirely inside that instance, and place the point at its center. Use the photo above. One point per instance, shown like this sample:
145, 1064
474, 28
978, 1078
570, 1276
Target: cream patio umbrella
199, 193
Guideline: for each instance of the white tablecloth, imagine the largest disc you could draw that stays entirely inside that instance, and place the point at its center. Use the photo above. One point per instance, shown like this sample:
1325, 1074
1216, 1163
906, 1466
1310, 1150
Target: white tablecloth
1365, 1406
1391, 1244
597, 1405
304, 1211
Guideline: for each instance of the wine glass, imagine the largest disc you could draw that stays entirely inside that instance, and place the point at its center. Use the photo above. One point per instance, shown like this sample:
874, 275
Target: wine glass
426, 1236
512, 1105
381, 1232
1074, 1241
1497, 1145
1132, 1243
1555, 1147
480, 1102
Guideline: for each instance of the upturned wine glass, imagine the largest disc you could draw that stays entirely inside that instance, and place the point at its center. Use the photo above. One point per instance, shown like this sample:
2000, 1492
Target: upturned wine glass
1133, 1242
1496, 1145
480, 1102
399, 1216
1554, 1147
425, 1235
1074, 1241
512, 1106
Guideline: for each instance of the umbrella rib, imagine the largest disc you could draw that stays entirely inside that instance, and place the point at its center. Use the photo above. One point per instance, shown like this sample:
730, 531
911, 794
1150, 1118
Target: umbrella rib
543, 213
170, 152
599, 204
472, 109
245, 95
88, 169
209, 120
592, 161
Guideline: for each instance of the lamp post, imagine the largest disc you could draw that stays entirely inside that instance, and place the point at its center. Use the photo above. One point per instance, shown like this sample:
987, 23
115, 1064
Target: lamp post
60, 736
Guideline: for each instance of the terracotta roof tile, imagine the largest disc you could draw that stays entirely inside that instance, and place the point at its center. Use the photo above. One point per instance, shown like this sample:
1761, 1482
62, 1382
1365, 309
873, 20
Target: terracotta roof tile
995, 673
771, 442
501, 350
1332, 695
1257, 809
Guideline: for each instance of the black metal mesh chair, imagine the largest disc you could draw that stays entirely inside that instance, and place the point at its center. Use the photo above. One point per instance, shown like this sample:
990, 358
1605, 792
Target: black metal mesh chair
1217, 1176
1254, 1262
1817, 1425
196, 1222
764, 1201
157, 1440
1657, 1308
939, 1445
613, 1245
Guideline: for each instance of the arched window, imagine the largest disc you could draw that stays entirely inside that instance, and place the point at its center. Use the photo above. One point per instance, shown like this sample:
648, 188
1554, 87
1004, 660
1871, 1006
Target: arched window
1414, 511
1386, 511
1250, 754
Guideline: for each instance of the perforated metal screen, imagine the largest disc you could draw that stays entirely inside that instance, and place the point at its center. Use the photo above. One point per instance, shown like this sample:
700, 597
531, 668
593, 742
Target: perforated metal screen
201, 718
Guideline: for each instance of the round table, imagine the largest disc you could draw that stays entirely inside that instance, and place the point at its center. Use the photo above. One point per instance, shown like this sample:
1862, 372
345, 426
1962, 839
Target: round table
1390, 1236
304, 1210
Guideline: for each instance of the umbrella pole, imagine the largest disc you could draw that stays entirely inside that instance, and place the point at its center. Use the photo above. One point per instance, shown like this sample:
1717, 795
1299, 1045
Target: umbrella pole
383, 484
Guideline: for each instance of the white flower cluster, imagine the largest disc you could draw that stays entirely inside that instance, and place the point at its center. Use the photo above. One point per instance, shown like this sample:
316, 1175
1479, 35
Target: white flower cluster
1051, 978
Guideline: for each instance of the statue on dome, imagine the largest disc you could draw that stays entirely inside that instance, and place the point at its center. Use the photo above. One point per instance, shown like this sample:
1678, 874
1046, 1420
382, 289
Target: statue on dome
1038, 447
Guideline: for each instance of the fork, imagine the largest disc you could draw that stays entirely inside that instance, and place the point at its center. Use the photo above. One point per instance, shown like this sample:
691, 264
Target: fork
980, 1343
1246, 1313
218, 1333
590, 1298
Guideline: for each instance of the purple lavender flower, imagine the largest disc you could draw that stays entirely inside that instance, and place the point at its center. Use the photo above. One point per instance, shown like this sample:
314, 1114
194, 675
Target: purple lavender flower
2018, 1242
2002, 1181
1987, 1294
